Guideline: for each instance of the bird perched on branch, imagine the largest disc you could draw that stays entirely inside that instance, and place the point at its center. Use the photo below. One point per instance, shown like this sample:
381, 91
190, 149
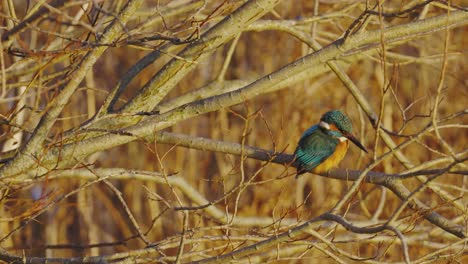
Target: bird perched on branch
324, 145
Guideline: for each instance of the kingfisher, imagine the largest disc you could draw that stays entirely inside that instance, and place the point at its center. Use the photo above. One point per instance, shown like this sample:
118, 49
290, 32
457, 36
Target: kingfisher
324, 145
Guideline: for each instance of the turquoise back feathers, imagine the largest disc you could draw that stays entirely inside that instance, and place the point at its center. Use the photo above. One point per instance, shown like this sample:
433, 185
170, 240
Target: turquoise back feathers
313, 148
324, 145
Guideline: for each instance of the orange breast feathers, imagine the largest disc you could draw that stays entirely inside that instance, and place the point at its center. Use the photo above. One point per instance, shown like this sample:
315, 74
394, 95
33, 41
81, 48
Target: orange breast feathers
333, 127
334, 159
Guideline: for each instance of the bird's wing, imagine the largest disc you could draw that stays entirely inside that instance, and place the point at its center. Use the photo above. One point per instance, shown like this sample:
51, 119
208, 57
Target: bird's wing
314, 148
309, 131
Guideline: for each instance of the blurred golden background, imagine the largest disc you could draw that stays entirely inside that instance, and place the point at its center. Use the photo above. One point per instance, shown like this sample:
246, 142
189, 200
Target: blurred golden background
92, 221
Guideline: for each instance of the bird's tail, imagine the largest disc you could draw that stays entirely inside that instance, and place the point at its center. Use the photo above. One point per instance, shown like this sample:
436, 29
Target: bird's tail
300, 170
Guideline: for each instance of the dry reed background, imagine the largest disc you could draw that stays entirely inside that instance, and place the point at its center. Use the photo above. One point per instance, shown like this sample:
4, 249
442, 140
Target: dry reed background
84, 207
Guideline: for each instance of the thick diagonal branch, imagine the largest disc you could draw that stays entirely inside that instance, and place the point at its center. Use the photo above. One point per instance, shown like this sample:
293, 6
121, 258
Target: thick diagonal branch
33, 147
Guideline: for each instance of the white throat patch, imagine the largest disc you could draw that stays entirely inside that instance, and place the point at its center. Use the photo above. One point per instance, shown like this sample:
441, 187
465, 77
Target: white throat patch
342, 139
324, 125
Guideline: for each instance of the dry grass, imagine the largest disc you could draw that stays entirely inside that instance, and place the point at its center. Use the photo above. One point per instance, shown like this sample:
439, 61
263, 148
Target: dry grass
79, 212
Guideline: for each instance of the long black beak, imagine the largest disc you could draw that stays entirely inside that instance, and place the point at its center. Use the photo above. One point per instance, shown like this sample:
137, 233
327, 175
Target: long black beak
355, 141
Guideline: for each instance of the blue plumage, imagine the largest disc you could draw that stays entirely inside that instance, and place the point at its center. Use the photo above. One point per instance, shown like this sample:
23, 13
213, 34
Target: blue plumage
324, 145
314, 147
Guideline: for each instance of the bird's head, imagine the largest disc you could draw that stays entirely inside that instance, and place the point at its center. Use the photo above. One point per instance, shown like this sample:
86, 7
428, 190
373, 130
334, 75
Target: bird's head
339, 125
